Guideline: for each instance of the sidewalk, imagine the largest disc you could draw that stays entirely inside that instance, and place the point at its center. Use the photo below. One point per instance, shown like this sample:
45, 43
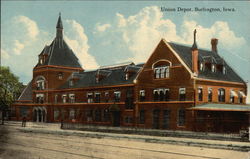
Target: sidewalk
48, 128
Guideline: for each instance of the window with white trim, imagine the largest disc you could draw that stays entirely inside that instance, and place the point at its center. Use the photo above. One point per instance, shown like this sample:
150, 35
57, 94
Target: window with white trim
40, 84
72, 98
142, 95
210, 94
213, 67
90, 97
221, 95
117, 95
200, 94
161, 71
64, 98
182, 94
40, 98
97, 97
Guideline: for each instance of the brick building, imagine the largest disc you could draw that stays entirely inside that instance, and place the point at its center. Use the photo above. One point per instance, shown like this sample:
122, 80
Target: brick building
179, 87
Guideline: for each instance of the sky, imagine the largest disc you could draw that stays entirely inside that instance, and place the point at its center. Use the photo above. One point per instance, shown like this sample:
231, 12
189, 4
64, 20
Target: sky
108, 32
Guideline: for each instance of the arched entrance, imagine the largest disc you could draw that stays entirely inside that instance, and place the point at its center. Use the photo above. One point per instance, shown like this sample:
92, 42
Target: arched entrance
39, 114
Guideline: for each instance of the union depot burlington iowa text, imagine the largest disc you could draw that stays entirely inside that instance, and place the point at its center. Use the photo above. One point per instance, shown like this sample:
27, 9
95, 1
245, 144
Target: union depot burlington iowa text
179, 87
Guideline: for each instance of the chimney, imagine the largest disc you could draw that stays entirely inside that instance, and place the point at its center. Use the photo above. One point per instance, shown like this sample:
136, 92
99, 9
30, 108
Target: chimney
214, 43
195, 55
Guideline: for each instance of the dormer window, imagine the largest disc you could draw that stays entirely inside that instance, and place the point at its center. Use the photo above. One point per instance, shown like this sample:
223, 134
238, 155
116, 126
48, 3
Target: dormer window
126, 76
41, 60
71, 82
60, 76
224, 70
201, 66
213, 67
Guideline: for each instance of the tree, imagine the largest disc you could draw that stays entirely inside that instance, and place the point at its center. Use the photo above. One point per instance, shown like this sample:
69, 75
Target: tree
9, 88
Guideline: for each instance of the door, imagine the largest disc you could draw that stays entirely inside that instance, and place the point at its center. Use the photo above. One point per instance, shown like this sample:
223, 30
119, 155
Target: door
156, 119
116, 118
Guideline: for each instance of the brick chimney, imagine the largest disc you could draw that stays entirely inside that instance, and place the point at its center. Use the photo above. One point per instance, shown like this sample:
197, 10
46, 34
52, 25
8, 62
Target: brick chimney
214, 43
195, 55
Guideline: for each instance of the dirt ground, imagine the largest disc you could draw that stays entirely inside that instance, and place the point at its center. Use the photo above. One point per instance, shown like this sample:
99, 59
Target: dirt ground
21, 145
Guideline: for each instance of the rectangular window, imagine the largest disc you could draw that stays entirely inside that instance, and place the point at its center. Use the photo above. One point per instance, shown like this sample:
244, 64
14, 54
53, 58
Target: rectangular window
200, 94
182, 94
181, 117
161, 72
232, 96
64, 98
40, 98
106, 97
210, 94
72, 114
98, 115
142, 117
166, 119
90, 97
167, 94
221, 95
156, 94
97, 97
241, 96
56, 98
106, 115
157, 72
117, 96
72, 98
142, 95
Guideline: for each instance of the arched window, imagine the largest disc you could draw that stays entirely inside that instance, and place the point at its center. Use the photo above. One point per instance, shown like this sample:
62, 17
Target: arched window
200, 94
221, 95
40, 83
210, 95
161, 69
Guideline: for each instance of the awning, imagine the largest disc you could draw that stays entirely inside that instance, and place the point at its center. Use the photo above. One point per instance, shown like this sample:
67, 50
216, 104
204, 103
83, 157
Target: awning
221, 107
233, 93
242, 93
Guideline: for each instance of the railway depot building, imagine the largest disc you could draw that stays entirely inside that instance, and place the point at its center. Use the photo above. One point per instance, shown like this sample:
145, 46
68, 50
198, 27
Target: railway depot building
179, 87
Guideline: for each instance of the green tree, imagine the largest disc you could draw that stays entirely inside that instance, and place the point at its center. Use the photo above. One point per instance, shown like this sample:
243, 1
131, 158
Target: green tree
10, 87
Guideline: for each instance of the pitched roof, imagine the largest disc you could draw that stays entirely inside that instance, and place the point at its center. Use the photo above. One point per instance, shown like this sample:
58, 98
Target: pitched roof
115, 77
208, 56
26, 94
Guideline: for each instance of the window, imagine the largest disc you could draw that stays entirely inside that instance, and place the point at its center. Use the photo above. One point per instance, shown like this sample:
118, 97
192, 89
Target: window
89, 115
213, 67
106, 115
72, 114
201, 66
71, 82
41, 60
161, 71
117, 96
210, 94
64, 98
40, 84
129, 101
181, 117
40, 98
200, 94
156, 95
224, 70
241, 96
167, 94
56, 98
97, 97
162, 94
128, 119
98, 115
182, 94
126, 76
232, 96
142, 117
56, 114
106, 97
166, 119
221, 95
60, 76
72, 98
90, 97
142, 95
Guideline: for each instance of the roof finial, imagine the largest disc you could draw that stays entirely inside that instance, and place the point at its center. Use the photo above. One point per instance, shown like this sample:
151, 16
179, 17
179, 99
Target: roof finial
194, 44
59, 14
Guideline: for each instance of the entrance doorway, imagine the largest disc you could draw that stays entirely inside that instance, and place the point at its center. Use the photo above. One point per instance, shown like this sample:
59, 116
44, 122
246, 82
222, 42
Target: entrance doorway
116, 116
39, 114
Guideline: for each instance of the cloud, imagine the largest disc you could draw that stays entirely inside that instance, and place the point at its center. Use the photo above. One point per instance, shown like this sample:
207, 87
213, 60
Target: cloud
103, 27
142, 31
4, 54
18, 47
77, 39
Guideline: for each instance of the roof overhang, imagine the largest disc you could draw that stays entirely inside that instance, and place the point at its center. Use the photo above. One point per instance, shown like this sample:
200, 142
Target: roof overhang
221, 107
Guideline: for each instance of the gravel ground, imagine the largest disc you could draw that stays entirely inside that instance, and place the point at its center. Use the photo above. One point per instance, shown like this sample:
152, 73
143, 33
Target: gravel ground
25, 145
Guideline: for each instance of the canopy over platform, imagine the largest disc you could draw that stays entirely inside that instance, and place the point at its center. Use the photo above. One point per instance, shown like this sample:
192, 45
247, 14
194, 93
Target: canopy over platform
221, 107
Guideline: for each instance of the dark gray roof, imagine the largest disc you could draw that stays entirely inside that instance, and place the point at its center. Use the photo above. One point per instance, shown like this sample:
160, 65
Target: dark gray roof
27, 93
115, 77
59, 54
59, 23
207, 56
